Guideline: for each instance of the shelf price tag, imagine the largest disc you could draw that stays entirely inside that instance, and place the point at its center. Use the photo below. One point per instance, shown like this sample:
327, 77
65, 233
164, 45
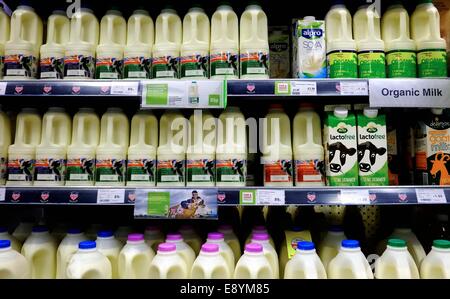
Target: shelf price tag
355, 196
433, 196
3, 86
125, 88
2, 194
269, 197
111, 196
303, 88
354, 88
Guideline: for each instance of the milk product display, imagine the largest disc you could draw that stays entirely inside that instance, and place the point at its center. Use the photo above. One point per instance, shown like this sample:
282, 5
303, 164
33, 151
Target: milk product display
66, 249
138, 51
253, 264
23, 231
109, 247
254, 44
135, 258
112, 149
5, 24
210, 264
14, 242
5, 142
51, 153
13, 265
194, 60
269, 252
191, 237
280, 59
88, 263
232, 240
141, 167
436, 265
53, 51
289, 245
224, 249
305, 264
183, 249
414, 246
166, 50
396, 262
224, 43
122, 233
259, 229
168, 264
153, 237
349, 263
330, 245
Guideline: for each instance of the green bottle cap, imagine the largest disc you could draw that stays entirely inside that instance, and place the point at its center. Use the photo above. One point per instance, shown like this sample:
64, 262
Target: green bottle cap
442, 244
399, 243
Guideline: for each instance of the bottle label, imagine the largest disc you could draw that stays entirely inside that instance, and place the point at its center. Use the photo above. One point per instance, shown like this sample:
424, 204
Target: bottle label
109, 68
202, 170
20, 66
110, 170
231, 170
194, 66
372, 64
50, 170
401, 64
279, 171
3, 168
171, 171
254, 63
224, 64
165, 67
20, 170
81, 170
432, 63
137, 67
309, 171
52, 68
79, 66
141, 170
342, 64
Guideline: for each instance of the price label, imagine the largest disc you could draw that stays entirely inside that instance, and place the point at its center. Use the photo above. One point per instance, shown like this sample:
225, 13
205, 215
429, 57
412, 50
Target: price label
357, 197
349, 88
111, 196
433, 196
2, 194
302, 88
3, 86
270, 197
125, 88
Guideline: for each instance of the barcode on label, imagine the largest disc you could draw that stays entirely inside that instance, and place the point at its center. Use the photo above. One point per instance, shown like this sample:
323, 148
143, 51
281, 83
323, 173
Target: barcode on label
270, 197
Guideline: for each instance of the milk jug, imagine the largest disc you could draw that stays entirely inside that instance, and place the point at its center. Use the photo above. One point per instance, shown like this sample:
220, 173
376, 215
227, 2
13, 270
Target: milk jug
135, 258
15, 243
67, 248
194, 61
210, 264
153, 237
40, 250
414, 246
138, 51
13, 265
269, 252
342, 61
396, 262
52, 53
5, 142
259, 229
232, 240
183, 249
109, 247
224, 43
22, 49
289, 245
23, 231
349, 263
436, 265
431, 48
401, 58
51, 153
22, 154
201, 152
254, 44
370, 46
277, 148
305, 264
253, 264
308, 149
112, 149
231, 151
329, 247
113, 38
5, 24
88, 263
141, 168
81, 152
224, 249
191, 237
79, 62
166, 50
167, 263
171, 151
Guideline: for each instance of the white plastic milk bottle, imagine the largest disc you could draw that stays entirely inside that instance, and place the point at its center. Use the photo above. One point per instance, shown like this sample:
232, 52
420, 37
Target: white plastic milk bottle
253, 264
401, 58
254, 44
23, 231
135, 258
231, 153
67, 247
269, 252
349, 263
40, 250
396, 262
414, 246
259, 229
138, 51
5, 142
153, 237
141, 168
172, 151
81, 152
436, 265
13, 265
330, 245
167, 263
305, 264
110, 247
113, 38
194, 61
88, 263
224, 51
232, 240
183, 249
15, 243
166, 50
210, 264
22, 49
79, 62
342, 60
112, 149
5, 25
22, 154
53, 51
224, 249
51, 153
191, 237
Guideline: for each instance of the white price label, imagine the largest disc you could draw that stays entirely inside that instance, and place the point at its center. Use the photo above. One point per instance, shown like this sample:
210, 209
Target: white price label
303, 88
2, 194
356, 88
433, 195
357, 197
111, 196
270, 197
125, 88
3, 86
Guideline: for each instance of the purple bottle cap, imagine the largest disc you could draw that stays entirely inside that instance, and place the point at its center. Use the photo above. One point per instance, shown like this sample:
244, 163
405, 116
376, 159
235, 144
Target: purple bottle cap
208, 247
167, 247
253, 247
260, 237
135, 237
215, 236
174, 237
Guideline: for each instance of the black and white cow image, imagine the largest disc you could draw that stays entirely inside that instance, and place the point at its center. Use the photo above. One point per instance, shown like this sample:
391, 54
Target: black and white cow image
263, 59
145, 64
232, 61
25, 167
87, 166
148, 167
55, 167
202, 62
117, 67
208, 168
26, 64
57, 66
117, 166
238, 167
177, 167
172, 64
286, 165
337, 157
367, 157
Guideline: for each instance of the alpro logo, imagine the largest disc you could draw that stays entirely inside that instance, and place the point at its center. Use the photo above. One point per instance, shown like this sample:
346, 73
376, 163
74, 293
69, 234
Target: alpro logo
311, 33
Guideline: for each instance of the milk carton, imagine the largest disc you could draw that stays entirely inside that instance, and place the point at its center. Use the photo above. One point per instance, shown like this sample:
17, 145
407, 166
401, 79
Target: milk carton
88, 263
396, 262
305, 264
210, 264
5, 142
224, 249
253, 264
109, 247
5, 24
67, 247
167, 263
372, 148
349, 263
436, 265
135, 258
13, 265
280, 62
309, 48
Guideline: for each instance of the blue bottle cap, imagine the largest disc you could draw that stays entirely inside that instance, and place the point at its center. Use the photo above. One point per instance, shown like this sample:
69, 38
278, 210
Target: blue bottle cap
105, 233
87, 245
305, 245
350, 243
5, 244
74, 231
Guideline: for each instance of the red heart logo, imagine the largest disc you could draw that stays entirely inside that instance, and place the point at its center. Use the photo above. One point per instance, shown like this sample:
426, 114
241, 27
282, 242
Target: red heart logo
48, 89
73, 196
311, 196
19, 89
221, 197
132, 196
402, 196
251, 87
76, 89
372, 197
45, 196
15, 196
105, 89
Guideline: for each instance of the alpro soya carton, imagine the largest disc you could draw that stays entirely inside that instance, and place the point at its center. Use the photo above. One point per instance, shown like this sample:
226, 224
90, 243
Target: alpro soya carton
372, 148
340, 144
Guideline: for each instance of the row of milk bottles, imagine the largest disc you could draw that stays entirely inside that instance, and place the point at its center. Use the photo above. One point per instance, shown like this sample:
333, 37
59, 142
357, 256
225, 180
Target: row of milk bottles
385, 39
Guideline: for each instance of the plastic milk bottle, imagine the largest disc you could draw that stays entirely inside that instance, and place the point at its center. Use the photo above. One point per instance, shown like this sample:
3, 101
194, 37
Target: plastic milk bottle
329, 247
436, 265
305, 264
15, 243
396, 262
23, 231
253, 264
183, 249
210, 264
67, 247
269, 251
168, 264
414, 246
224, 249
135, 258
191, 237
232, 240
259, 229
109, 247
5, 142
5, 25
153, 237
13, 265
349, 263
88, 263
122, 232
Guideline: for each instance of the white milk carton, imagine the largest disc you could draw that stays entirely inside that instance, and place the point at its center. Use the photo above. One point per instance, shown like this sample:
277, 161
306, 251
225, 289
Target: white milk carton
305, 264
396, 262
109, 247
253, 264
135, 258
67, 248
88, 263
13, 265
436, 265
168, 264
210, 264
